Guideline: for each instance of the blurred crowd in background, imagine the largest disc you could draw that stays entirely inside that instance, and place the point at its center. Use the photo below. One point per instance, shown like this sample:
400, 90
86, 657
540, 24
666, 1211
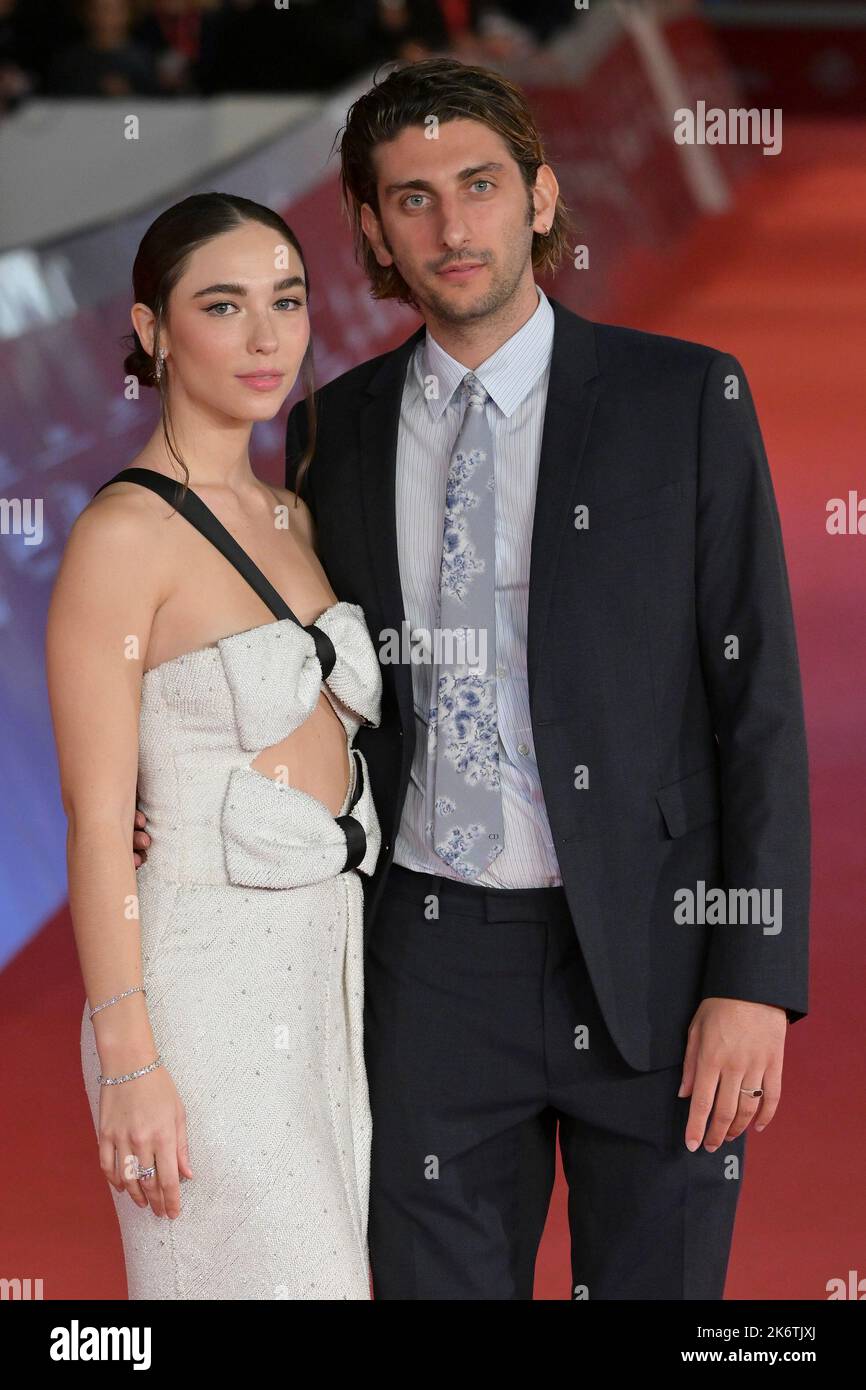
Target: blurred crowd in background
92, 48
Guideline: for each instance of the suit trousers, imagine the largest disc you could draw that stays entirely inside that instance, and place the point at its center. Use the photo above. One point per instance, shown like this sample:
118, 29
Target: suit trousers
483, 1039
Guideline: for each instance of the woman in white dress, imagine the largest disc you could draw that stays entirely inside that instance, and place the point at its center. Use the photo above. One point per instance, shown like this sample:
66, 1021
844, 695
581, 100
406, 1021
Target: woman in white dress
221, 1039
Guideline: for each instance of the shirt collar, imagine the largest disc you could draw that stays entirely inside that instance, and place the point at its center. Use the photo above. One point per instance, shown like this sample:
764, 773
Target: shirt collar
508, 375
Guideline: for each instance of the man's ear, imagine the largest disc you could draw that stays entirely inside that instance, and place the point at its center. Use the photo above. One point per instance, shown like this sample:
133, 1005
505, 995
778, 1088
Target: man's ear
373, 232
544, 198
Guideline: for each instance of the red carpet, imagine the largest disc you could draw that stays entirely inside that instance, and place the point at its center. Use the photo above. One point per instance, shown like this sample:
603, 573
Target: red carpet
781, 283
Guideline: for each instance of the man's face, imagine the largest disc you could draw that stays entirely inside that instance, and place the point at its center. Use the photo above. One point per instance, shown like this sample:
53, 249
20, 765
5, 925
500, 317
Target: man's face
455, 218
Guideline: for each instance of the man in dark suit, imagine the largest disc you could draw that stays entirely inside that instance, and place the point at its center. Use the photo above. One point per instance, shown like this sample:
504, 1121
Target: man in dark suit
624, 965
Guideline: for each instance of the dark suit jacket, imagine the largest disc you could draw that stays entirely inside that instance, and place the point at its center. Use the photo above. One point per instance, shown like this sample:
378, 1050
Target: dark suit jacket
697, 763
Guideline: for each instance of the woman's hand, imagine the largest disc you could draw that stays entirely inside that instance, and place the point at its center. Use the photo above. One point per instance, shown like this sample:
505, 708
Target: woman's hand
144, 1123
140, 839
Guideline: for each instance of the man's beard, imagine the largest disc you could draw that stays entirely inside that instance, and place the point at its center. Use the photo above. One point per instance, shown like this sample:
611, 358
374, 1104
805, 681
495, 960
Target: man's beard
446, 310
500, 291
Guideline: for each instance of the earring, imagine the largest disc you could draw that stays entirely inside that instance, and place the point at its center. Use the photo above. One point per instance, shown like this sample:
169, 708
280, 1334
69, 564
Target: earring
160, 358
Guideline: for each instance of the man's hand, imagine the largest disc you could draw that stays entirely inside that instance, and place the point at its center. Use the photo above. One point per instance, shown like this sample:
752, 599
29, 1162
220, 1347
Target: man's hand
140, 839
732, 1043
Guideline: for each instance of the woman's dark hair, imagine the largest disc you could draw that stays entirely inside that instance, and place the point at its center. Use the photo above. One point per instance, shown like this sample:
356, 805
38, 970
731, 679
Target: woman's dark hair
161, 260
449, 90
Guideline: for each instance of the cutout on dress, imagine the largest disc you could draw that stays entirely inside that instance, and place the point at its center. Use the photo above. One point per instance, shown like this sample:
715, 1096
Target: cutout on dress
311, 759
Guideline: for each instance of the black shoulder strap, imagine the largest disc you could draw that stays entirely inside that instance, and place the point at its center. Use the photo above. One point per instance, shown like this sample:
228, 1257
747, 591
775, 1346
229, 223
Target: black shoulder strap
199, 515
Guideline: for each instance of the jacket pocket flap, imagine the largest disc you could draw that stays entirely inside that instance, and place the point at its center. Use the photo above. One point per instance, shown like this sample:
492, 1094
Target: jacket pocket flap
692, 801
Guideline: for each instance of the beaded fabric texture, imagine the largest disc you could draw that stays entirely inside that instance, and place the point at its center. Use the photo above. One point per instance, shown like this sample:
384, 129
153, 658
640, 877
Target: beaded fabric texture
252, 949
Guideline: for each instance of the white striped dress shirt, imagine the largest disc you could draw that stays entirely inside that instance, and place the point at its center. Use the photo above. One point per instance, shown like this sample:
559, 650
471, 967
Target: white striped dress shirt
516, 378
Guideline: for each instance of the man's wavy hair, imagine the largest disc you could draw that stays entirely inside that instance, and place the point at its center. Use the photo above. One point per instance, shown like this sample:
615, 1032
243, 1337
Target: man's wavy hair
449, 90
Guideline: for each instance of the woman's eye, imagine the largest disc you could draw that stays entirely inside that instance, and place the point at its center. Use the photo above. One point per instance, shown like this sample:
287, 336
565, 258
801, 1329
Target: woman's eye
225, 304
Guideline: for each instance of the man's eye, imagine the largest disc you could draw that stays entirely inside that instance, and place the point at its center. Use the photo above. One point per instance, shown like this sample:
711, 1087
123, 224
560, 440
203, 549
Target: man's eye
411, 196
298, 303
487, 181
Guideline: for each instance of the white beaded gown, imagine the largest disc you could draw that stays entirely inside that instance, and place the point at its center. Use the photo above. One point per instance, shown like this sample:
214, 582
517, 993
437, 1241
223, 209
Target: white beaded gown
252, 947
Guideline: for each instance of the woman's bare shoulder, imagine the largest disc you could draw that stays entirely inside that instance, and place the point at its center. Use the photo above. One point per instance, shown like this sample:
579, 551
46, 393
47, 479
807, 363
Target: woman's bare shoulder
127, 506
120, 533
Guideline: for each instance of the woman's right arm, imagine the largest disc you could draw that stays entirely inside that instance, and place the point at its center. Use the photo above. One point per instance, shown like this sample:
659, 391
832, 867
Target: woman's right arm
102, 608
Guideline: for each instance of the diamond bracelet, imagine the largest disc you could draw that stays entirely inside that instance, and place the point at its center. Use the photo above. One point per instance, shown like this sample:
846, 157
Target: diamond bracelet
130, 1075
136, 989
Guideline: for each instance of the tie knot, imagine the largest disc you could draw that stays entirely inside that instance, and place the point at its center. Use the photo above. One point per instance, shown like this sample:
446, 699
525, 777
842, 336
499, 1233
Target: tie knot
475, 392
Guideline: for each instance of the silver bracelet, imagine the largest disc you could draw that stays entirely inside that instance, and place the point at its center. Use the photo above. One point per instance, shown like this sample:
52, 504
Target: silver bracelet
135, 990
130, 1075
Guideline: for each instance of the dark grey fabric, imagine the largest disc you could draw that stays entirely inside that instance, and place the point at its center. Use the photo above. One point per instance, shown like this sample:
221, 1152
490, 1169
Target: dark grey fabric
470, 1026
697, 763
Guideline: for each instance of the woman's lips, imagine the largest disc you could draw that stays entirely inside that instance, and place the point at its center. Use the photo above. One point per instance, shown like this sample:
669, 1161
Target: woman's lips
263, 383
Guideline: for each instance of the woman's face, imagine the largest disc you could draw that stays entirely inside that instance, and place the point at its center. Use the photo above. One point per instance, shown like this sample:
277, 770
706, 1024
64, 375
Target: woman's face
237, 325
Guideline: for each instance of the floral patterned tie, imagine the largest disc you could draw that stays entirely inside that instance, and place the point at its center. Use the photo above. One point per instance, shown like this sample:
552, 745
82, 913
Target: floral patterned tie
463, 733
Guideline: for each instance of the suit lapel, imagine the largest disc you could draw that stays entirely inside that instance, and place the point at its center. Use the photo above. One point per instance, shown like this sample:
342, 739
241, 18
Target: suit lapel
572, 392
380, 422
